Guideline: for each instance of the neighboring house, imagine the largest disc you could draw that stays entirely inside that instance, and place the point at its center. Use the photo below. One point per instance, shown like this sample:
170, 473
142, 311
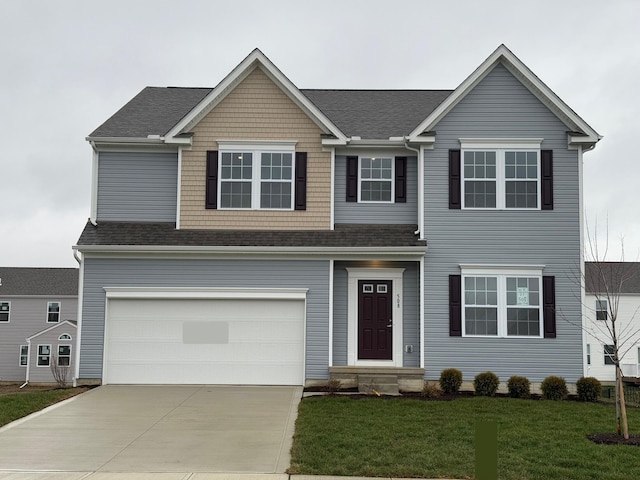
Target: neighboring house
608, 284
38, 313
256, 233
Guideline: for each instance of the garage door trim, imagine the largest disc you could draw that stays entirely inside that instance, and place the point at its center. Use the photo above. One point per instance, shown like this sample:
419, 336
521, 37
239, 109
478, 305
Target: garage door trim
190, 293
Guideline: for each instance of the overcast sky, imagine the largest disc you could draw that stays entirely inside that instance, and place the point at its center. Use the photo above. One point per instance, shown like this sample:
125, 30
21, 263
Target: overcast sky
69, 65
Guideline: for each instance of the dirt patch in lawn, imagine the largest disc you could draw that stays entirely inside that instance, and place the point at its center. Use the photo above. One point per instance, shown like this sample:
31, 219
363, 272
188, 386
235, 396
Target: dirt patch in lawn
15, 388
615, 439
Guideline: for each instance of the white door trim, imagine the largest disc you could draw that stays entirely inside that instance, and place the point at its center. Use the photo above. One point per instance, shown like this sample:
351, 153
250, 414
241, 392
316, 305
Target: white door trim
395, 276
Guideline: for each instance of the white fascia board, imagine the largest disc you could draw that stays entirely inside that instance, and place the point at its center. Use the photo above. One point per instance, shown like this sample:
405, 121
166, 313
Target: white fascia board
254, 60
503, 55
206, 293
100, 146
57, 325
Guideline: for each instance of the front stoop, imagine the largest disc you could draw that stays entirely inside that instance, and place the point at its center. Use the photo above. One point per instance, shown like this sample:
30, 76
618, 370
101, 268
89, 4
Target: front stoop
383, 380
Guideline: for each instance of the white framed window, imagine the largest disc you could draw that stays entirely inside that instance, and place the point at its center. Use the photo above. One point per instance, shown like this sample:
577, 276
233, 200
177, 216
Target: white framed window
44, 355
256, 177
65, 336
375, 179
5, 311
602, 310
64, 355
499, 175
53, 312
588, 354
502, 303
608, 354
24, 355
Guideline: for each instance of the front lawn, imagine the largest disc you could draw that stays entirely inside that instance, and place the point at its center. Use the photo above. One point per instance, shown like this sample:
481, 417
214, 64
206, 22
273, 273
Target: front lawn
17, 405
413, 438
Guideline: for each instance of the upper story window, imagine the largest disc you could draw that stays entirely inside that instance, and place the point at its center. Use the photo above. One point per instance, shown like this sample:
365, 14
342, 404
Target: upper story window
501, 178
501, 174
53, 312
264, 176
376, 179
602, 311
5, 311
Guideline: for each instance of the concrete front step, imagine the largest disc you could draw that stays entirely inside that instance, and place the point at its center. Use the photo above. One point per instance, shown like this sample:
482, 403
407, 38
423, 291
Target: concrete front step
406, 379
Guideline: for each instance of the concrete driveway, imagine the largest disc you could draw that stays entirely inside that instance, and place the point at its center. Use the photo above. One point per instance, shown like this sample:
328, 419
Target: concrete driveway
158, 429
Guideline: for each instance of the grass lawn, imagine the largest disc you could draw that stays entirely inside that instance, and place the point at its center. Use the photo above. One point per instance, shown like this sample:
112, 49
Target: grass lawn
413, 438
17, 405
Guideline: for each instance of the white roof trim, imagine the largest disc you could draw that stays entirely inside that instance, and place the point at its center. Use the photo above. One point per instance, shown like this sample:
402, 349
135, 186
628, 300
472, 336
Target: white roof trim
504, 56
253, 60
57, 325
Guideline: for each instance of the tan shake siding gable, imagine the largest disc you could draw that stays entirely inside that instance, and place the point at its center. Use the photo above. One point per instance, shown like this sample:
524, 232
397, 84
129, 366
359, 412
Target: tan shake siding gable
256, 110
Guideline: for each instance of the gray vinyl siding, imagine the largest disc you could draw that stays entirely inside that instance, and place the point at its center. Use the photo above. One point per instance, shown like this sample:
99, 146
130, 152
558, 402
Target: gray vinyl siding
137, 187
28, 317
310, 274
501, 107
372, 213
43, 374
410, 318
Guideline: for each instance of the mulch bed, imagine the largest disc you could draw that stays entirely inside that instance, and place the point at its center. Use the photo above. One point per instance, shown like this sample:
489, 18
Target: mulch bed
6, 389
614, 439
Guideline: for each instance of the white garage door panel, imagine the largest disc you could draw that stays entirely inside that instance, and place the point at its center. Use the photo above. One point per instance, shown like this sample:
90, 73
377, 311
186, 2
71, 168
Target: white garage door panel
146, 342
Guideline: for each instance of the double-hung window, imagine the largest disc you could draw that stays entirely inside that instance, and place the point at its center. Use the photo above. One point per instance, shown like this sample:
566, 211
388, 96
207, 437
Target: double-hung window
259, 177
602, 310
609, 351
53, 312
24, 355
64, 355
44, 355
502, 303
5, 311
500, 175
376, 179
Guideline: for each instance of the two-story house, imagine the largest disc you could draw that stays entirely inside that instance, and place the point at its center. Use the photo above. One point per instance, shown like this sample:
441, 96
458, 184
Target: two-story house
38, 312
257, 233
612, 296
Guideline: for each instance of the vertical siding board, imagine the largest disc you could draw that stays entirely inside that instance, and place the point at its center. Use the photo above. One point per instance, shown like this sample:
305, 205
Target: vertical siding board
137, 187
500, 106
376, 213
313, 275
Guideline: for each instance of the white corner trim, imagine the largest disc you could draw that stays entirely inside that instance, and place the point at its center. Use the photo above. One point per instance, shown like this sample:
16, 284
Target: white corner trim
396, 277
94, 186
333, 188
205, 293
331, 270
179, 188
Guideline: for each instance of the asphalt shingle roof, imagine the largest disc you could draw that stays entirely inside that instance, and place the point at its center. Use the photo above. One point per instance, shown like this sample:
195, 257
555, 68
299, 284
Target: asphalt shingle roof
165, 234
377, 114
614, 277
370, 114
38, 281
153, 111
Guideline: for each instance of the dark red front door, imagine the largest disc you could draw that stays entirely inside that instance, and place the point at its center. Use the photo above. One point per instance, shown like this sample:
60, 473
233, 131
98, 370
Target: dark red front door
375, 329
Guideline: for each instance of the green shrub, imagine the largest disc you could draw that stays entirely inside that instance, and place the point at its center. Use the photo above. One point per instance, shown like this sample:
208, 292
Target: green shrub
431, 390
589, 389
554, 388
486, 384
450, 380
519, 387
333, 386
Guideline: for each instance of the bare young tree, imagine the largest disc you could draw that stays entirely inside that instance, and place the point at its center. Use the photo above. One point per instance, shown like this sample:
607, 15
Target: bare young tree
60, 372
608, 282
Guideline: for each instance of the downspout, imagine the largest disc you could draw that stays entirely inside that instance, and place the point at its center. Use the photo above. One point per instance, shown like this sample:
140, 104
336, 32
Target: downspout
420, 231
26, 380
79, 319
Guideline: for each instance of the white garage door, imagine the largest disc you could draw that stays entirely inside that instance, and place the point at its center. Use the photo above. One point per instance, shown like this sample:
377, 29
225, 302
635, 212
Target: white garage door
204, 341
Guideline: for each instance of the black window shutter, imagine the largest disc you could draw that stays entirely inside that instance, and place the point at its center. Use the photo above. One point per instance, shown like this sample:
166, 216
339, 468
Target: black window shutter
549, 306
352, 179
454, 180
455, 305
301, 181
212, 180
546, 165
401, 180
